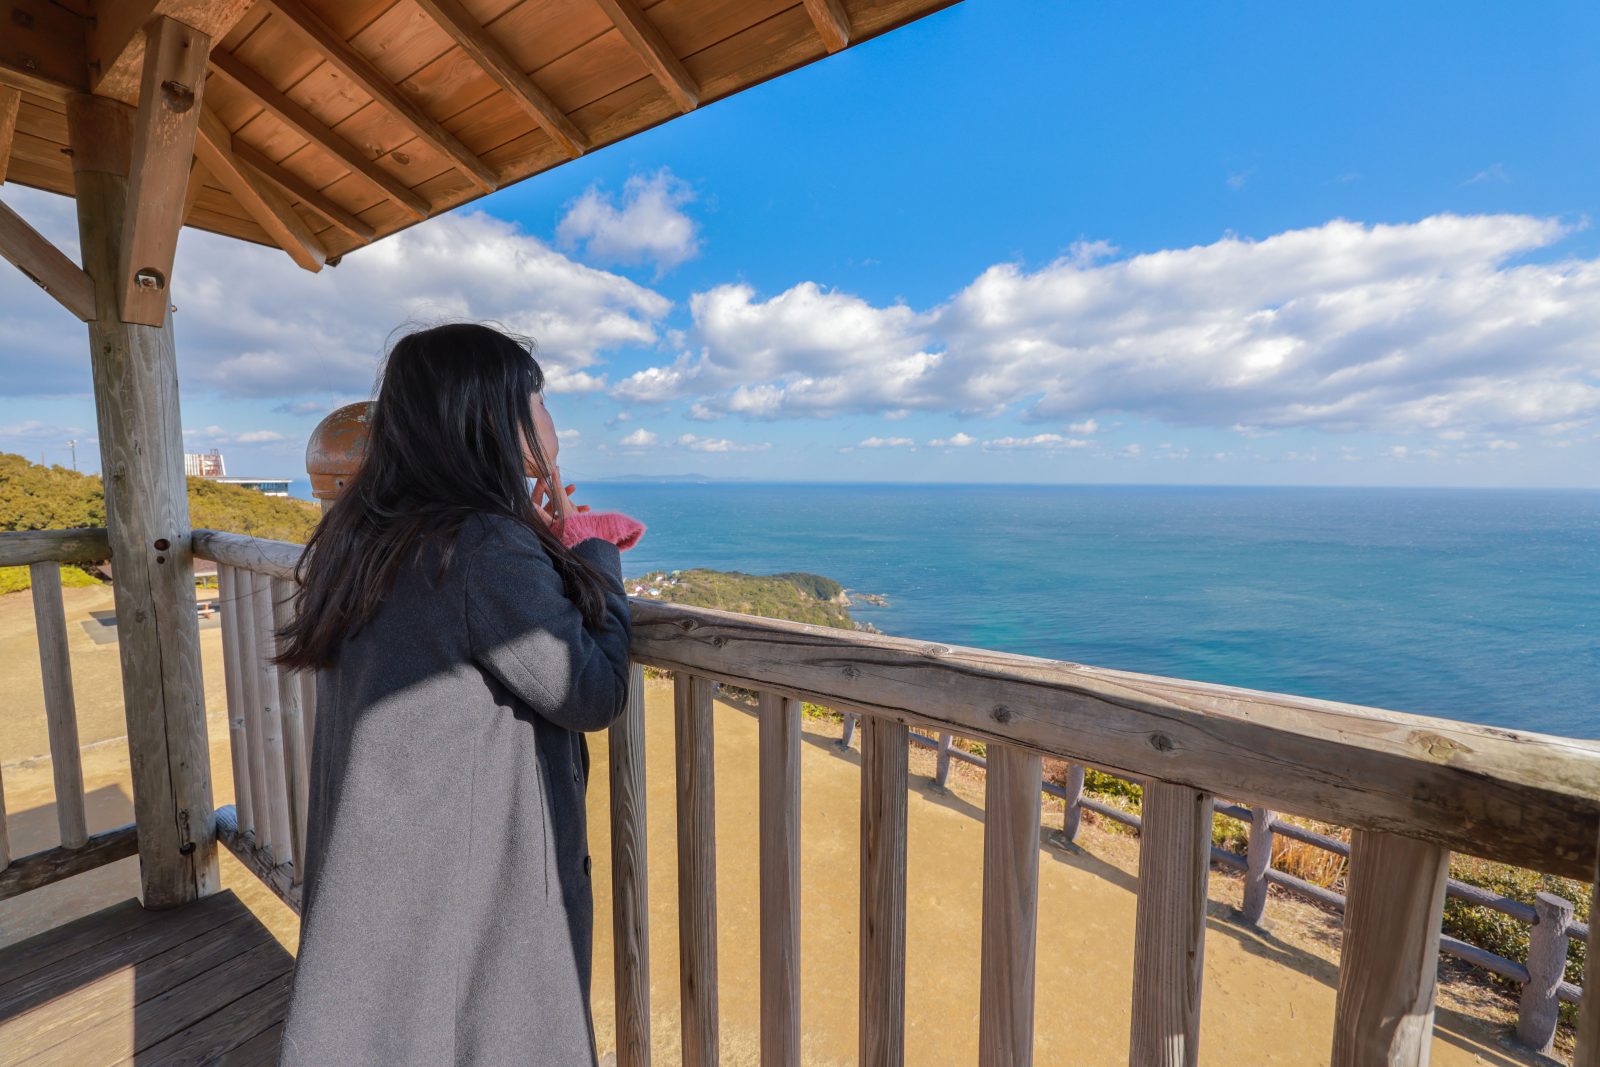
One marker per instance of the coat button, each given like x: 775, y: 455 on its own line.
x: 586, y: 866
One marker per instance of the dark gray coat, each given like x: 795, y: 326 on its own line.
x: 448, y: 915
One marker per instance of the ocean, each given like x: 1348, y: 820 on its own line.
x: 1480, y: 605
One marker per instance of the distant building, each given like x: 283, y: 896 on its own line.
x: 210, y: 465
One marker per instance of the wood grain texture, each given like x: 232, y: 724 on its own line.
x: 260, y: 198
x: 831, y: 21
x: 1547, y: 961
x: 1258, y: 860
x: 296, y: 760
x: 1170, y: 926
x: 779, y: 815
x: 941, y: 765
x: 658, y: 56
x: 233, y: 668
x: 319, y: 134
x: 10, y: 105
x: 117, y: 43
x: 195, y: 186
x: 360, y: 70
x: 1520, y: 798
x: 27, y: 873
x: 278, y: 877
x: 1010, y: 907
x: 884, y: 779
x: 488, y: 54
x: 1390, y: 957
x: 630, y: 903
x: 134, y: 369
x: 275, y: 558
x: 697, y: 869
x: 269, y: 694
x: 261, y: 829
x: 45, y: 265
x: 291, y: 184
x: 61, y: 715
x: 170, y: 93
x: 89, y: 545
x: 1588, y: 1050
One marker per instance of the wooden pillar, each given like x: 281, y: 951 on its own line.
x: 1588, y: 1053
x: 147, y: 513
x: 1257, y: 862
x: 1547, y: 963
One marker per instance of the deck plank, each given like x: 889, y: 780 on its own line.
x: 203, y: 983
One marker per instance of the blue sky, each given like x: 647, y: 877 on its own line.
x: 1035, y: 242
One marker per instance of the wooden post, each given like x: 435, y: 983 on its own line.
x: 779, y: 805
x: 1547, y: 963
x: 147, y: 514
x: 271, y: 721
x: 61, y: 718
x: 697, y: 869
x: 1170, y: 926
x: 1072, y: 816
x: 232, y: 668
x: 884, y: 776
x: 941, y: 769
x: 1010, y: 907
x: 250, y: 689
x: 850, y: 720
x: 630, y: 902
x: 1588, y: 1054
x: 1390, y: 957
x: 1258, y: 860
x: 296, y: 764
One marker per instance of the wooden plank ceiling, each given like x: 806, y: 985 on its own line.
x: 328, y: 124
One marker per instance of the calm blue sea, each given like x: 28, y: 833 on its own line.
x: 1476, y: 605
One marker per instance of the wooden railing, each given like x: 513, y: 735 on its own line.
x: 42, y: 553
x: 1410, y: 788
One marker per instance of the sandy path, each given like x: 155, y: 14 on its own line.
x: 1267, y: 1001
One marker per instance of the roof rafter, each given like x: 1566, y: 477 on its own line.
x: 303, y: 192
x: 359, y: 69
x: 117, y: 40
x: 10, y: 106
x: 658, y: 56
x: 315, y: 131
x: 49, y: 268
x: 487, y: 53
x: 258, y: 197
x: 163, y: 145
x: 832, y: 22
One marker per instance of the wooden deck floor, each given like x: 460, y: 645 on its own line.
x: 203, y: 984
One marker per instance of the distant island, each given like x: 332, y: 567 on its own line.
x: 793, y: 595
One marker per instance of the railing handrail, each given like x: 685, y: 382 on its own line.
x: 1528, y: 799
x: 89, y: 544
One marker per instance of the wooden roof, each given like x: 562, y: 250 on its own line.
x: 327, y: 124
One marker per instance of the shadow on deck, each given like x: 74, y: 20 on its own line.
x: 204, y: 983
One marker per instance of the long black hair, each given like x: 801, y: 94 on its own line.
x: 445, y: 443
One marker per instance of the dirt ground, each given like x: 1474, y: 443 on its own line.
x: 1268, y: 998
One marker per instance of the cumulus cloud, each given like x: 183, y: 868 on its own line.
x: 647, y: 225
x: 887, y: 442
x: 216, y: 435
x: 955, y: 440
x: 1048, y: 441
x: 1441, y: 325
x: 719, y: 444
x: 250, y: 323
x: 640, y: 438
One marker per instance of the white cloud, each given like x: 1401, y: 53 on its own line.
x: 1038, y: 440
x: 569, y: 435
x: 887, y: 442
x: 1438, y: 325
x: 649, y: 226
x: 251, y: 323
x: 1087, y: 426
x: 955, y: 440
x: 216, y: 435
x: 719, y: 444
x: 640, y: 438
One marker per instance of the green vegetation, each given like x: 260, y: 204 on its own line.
x: 794, y: 596
x: 34, y: 497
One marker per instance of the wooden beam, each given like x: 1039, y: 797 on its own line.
x: 359, y: 69
x: 264, y: 203
x: 163, y: 148
x: 302, y: 191
x: 487, y: 53
x: 191, y: 191
x: 45, y: 265
x: 10, y: 105
x: 117, y: 39
x: 831, y: 21
x: 645, y: 39
x: 42, y: 48
x: 312, y: 129
x: 28, y: 873
x: 86, y: 545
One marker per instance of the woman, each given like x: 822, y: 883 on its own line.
x: 466, y: 633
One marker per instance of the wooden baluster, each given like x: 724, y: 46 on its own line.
x: 697, y: 869
x: 941, y: 767
x: 780, y: 880
x: 232, y: 669
x: 1588, y: 1054
x: 1384, y: 1010
x: 61, y: 718
x: 630, y: 903
x: 271, y: 723
x: 1540, y: 1010
x: 308, y: 708
x: 884, y: 777
x: 1072, y: 813
x: 850, y: 720
x: 1010, y: 906
x: 250, y: 689
x: 292, y: 717
x: 1258, y: 860
x: 1170, y: 925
